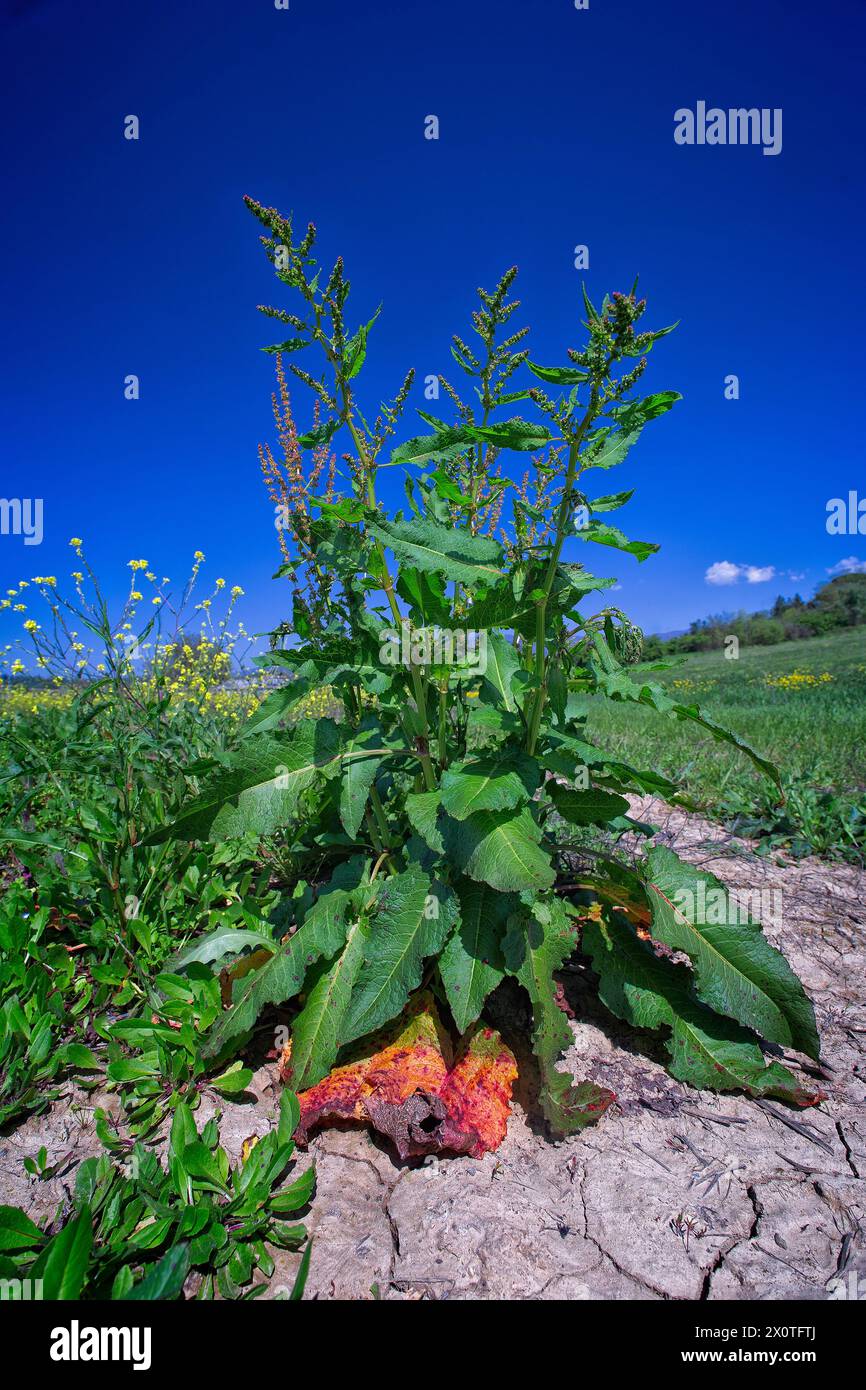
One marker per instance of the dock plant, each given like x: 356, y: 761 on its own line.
x: 435, y: 828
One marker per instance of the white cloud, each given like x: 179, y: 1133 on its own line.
x: 724, y: 572
x: 759, y: 574
x: 850, y: 566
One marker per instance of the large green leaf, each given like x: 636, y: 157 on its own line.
x: 612, y: 502
x: 558, y: 376
x: 564, y: 754
x: 497, y: 607
x: 322, y: 933
x: 501, y: 663
x: 422, y: 812
x: 430, y: 546
x: 500, y: 848
x: 706, y: 1050
x: 737, y: 971
x: 32, y: 840
x: 521, y: 435
x: 280, y: 702
x: 359, y: 768
x: 448, y: 441
x: 538, y: 941
x: 589, y: 807
x: 215, y: 945
x: 17, y: 1231
x: 413, y: 918
x: 317, y: 1032
x: 258, y: 789
x: 471, y: 964
x: 496, y: 782
x: 635, y: 414
x: 603, y: 534
x: 290, y: 345
x: 424, y: 591
x: 609, y: 448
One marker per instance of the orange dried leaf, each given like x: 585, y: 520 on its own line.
x: 477, y: 1093
x: 402, y: 1084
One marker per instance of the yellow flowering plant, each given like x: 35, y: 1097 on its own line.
x: 99, y: 713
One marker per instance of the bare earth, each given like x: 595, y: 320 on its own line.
x: 674, y: 1194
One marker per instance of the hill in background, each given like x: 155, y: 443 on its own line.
x: 841, y: 603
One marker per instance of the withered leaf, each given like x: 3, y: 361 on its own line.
x: 403, y: 1082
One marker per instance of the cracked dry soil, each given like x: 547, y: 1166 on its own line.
x: 675, y: 1194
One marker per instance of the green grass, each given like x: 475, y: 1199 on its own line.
x: 816, y: 734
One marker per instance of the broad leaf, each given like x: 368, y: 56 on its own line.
x: 413, y: 918
x: 422, y: 812
x: 430, y: 546
x: 322, y: 933
x: 706, y: 1050
x: 259, y: 788
x: 290, y: 345
x: 62, y: 1265
x: 521, y: 435
x: 215, y: 945
x: 165, y: 1280
x: 322, y: 434
x: 635, y: 414
x: 471, y: 964
x: 280, y: 702
x: 359, y: 769
x: 563, y: 754
x: 501, y: 663
x: 737, y: 971
x: 447, y: 442
x: 603, y: 534
x: 500, y: 848
x: 619, y: 685
x: 425, y: 594
x: 558, y: 376
x: 17, y: 1231
x: 609, y: 448
x: 612, y: 502
x: 317, y: 1032
x: 496, y: 782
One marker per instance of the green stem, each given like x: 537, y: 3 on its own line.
x: 381, y: 821
x: 541, y: 605
x: 443, y: 728
x: 374, y: 834
x: 388, y: 586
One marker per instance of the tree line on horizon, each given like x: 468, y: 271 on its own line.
x: 840, y: 603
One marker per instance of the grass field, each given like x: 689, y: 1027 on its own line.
x: 802, y: 704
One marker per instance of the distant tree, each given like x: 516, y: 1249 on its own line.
x: 839, y: 603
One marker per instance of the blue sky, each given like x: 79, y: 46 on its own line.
x: 556, y: 129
